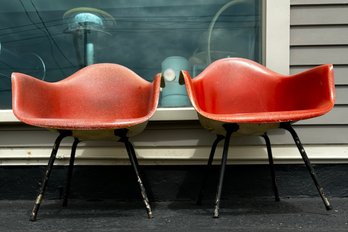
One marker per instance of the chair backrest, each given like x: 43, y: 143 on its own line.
x: 236, y: 85
x: 105, y: 89
x: 99, y: 91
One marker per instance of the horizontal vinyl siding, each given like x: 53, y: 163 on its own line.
x: 191, y: 135
x: 318, y: 2
x: 180, y: 155
x: 166, y: 143
x: 341, y: 73
x: 319, y: 35
x: 314, y: 55
x: 341, y: 95
x: 334, y: 117
x: 325, y: 14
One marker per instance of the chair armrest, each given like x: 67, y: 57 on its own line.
x: 31, y: 97
x: 313, y: 88
x: 155, y: 92
x: 185, y: 79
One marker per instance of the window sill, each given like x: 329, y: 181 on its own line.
x: 7, y: 116
x: 161, y: 114
x: 178, y: 114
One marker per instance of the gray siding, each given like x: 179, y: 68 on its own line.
x: 318, y: 35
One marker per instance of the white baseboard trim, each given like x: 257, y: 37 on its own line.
x: 283, y: 154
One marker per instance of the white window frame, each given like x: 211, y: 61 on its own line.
x: 276, y: 56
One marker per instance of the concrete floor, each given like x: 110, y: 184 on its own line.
x: 254, y: 214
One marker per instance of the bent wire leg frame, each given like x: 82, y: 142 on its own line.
x: 134, y: 161
x: 47, y: 174
x: 271, y: 166
x: 230, y: 128
x: 70, y: 171
x: 288, y: 127
x: 208, y: 168
x: 143, y: 178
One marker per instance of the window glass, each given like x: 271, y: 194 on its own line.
x: 52, y: 39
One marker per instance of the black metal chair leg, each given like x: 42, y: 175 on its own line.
x: 46, y: 176
x: 143, y: 176
x: 208, y: 167
x: 70, y: 171
x: 222, y: 172
x: 134, y: 162
x: 271, y: 166
x: 320, y: 189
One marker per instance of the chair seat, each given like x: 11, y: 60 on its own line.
x: 92, y: 129
x: 85, y: 124
x: 267, y: 117
x: 256, y: 123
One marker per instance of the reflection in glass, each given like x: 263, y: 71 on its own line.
x: 86, y: 26
x: 66, y: 35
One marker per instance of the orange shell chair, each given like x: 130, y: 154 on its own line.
x: 235, y: 96
x: 101, y: 101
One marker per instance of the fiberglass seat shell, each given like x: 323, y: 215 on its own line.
x: 101, y: 101
x: 235, y: 96
x: 98, y: 97
x: 236, y: 90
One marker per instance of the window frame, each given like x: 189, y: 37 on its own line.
x: 276, y: 56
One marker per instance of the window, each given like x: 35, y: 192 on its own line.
x: 52, y: 39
